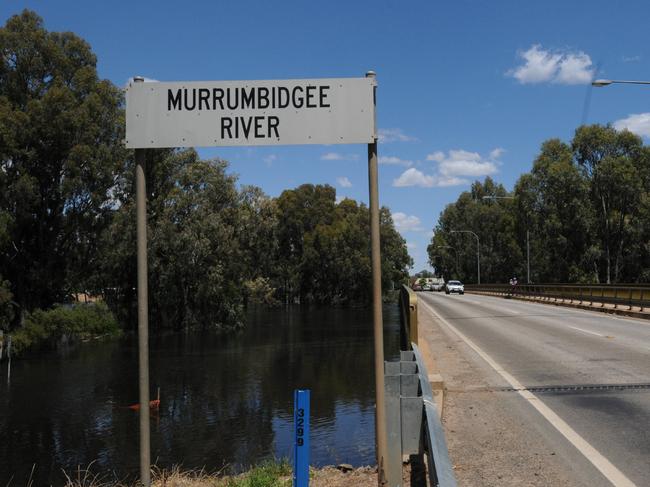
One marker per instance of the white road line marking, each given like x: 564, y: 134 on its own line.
x: 587, y: 331
x: 613, y: 474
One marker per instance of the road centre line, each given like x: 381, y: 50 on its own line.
x: 613, y: 474
x: 587, y: 331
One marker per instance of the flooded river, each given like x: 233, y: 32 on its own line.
x: 225, y: 400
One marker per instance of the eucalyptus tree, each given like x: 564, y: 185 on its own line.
x: 493, y: 221
x: 196, y: 256
x: 615, y: 163
x: 60, y: 146
x: 324, y: 247
x: 552, y: 204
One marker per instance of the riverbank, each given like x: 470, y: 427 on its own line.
x: 270, y: 474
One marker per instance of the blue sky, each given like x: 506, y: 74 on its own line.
x: 466, y: 88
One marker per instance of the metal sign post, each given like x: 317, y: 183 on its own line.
x: 246, y: 113
x: 143, y: 313
x: 378, y: 327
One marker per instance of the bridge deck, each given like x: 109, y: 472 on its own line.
x: 588, y: 369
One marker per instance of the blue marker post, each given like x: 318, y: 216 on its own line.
x: 301, y: 445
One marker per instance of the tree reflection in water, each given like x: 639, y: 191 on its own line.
x: 226, y: 400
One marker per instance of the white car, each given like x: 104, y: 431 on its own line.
x: 454, y: 287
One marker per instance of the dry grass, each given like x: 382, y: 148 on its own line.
x: 268, y: 474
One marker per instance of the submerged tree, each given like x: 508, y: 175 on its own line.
x: 195, y: 256
x: 324, y: 247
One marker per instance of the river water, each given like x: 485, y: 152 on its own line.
x: 225, y: 400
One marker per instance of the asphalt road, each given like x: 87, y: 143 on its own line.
x: 584, y: 375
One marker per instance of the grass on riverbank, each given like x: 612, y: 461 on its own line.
x: 267, y: 474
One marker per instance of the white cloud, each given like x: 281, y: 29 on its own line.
x: 638, y: 123
x: 464, y: 163
x: 335, y: 156
x: 436, y: 156
x: 394, y: 135
x: 450, y: 181
x: 451, y: 168
x: 344, y: 182
x: 269, y: 159
x: 563, y: 67
x: 411, y: 245
x: 631, y: 59
x: 414, y: 177
x: 496, y: 153
x: 331, y: 156
x: 575, y: 69
x: 394, y: 161
x: 406, y: 223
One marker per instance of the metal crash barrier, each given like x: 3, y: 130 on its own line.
x: 413, y: 426
x: 592, y: 295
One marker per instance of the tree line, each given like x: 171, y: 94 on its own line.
x: 67, y: 210
x: 581, y: 215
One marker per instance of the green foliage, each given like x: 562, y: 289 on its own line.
x: 82, y: 321
x: 616, y: 165
x: 268, y: 474
x: 260, y: 291
x: 67, y: 211
x: 6, y: 305
x: 195, y: 259
x: 60, y: 133
x: 493, y: 221
x: 584, y: 205
x: 324, y: 247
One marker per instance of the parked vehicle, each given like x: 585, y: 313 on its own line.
x: 454, y: 287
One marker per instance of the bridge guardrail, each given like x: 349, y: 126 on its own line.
x: 618, y: 295
x: 413, y: 423
x: 408, y: 305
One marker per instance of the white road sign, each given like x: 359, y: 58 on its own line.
x: 231, y: 113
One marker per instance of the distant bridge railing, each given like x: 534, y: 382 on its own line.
x: 413, y: 424
x: 630, y: 295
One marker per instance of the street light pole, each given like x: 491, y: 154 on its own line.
x: 599, y: 83
x: 478, y: 253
